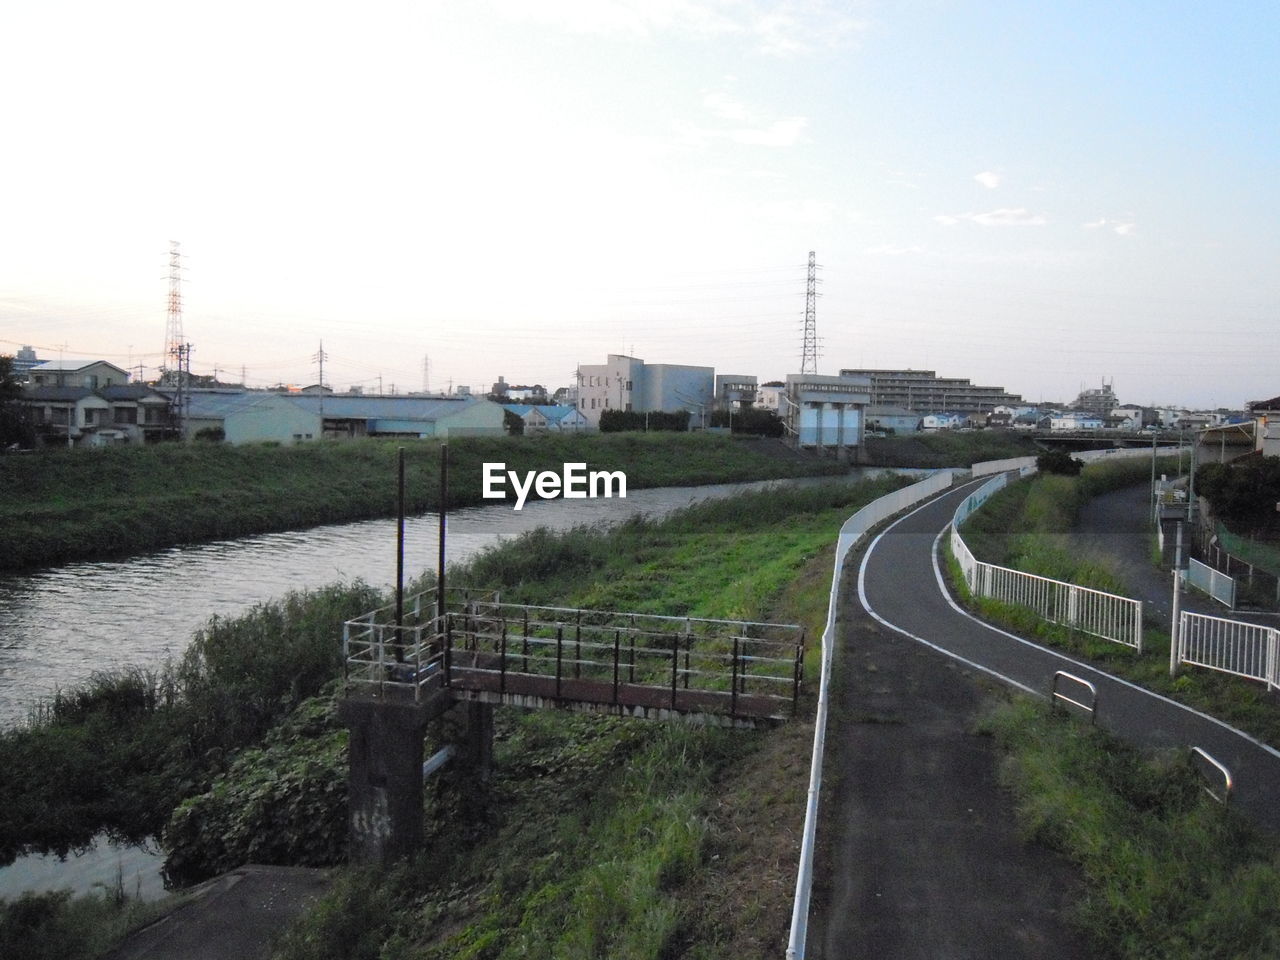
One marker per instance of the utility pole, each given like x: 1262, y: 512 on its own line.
x: 1177, y: 597
x: 319, y: 358
x: 809, y: 352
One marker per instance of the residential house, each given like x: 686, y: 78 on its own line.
x: 78, y: 415
x: 548, y: 418
x: 898, y: 420
x: 89, y: 374
x: 1075, y: 420
x: 1266, y: 417
x: 944, y: 421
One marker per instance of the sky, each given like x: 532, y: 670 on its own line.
x: 1037, y: 196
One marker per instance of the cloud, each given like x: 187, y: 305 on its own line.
x: 1009, y: 217
x: 780, y: 133
x: 725, y: 107
x: 1003, y: 217
x: 892, y: 250
x: 777, y: 28
x: 1119, y: 227
x: 988, y: 179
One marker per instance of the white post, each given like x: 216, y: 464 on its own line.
x: 1177, y: 596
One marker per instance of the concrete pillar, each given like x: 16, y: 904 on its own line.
x: 384, y: 783
x: 478, y: 740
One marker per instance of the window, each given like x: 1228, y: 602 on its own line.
x: 126, y: 414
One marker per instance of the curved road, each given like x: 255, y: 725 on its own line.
x: 900, y: 584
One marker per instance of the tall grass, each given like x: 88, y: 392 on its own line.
x: 1168, y: 872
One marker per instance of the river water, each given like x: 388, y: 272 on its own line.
x: 58, y: 626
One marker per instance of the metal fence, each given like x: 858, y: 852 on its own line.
x: 1213, y: 582
x: 1229, y: 646
x: 1095, y: 612
x: 746, y: 669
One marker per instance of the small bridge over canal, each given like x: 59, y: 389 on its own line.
x: 406, y: 665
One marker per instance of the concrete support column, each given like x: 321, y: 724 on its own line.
x: 385, y: 779
x: 478, y: 740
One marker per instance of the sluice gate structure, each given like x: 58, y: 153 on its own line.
x: 409, y: 663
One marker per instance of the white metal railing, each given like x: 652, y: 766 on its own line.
x: 853, y: 530
x: 1213, y: 582
x: 1230, y: 646
x: 1095, y: 612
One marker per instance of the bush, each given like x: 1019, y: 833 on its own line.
x: 1059, y: 461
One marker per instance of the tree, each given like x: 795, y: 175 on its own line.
x: 1243, y: 494
x: 513, y: 422
x: 1059, y: 461
x: 15, y: 421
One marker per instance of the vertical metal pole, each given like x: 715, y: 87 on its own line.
x: 617, y: 644
x: 795, y: 686
x: 448, y: 650
x: 559, y: 647
x: 1177, y: 597
x: 524, y: 646
x: 631, y: 666
x: 399, y: 553
x: 675, y: 668
x: 577, y: 647
x: 444, y: 521
x: 502, y: 660
x: 733, y: 698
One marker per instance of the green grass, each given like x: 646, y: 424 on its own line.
x: 62, y: 505
x: 1168, y: 872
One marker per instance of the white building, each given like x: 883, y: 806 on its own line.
x: 628, y: 383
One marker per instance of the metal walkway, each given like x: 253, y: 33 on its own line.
x: 719, y: 672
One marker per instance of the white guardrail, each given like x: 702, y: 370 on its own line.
x: 853, y: 530
x: 1213, y: 582
x: 1230, y: 646
x: 1105, y: 615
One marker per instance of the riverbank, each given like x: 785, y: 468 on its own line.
x: 63, y: 505
x: 619, y: 837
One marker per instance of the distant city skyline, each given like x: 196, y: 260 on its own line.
x: 1035, y: 197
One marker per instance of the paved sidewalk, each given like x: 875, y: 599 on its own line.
x: 236, y: 916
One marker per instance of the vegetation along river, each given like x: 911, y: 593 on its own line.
x: 59, y: 625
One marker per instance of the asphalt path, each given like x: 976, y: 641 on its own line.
x: 901, y: 585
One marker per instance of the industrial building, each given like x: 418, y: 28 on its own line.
x: 628, y: 383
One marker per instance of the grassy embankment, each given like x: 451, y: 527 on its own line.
x: 597, y: 836
x: 948, y: 448
x: 61, y: 505
x: 1027, y: 526
x: 1167, y: 872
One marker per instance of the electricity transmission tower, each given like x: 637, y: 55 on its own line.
x: 809, y: 353
x: 171, y: 362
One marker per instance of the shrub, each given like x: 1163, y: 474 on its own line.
x: 1059, y: 461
